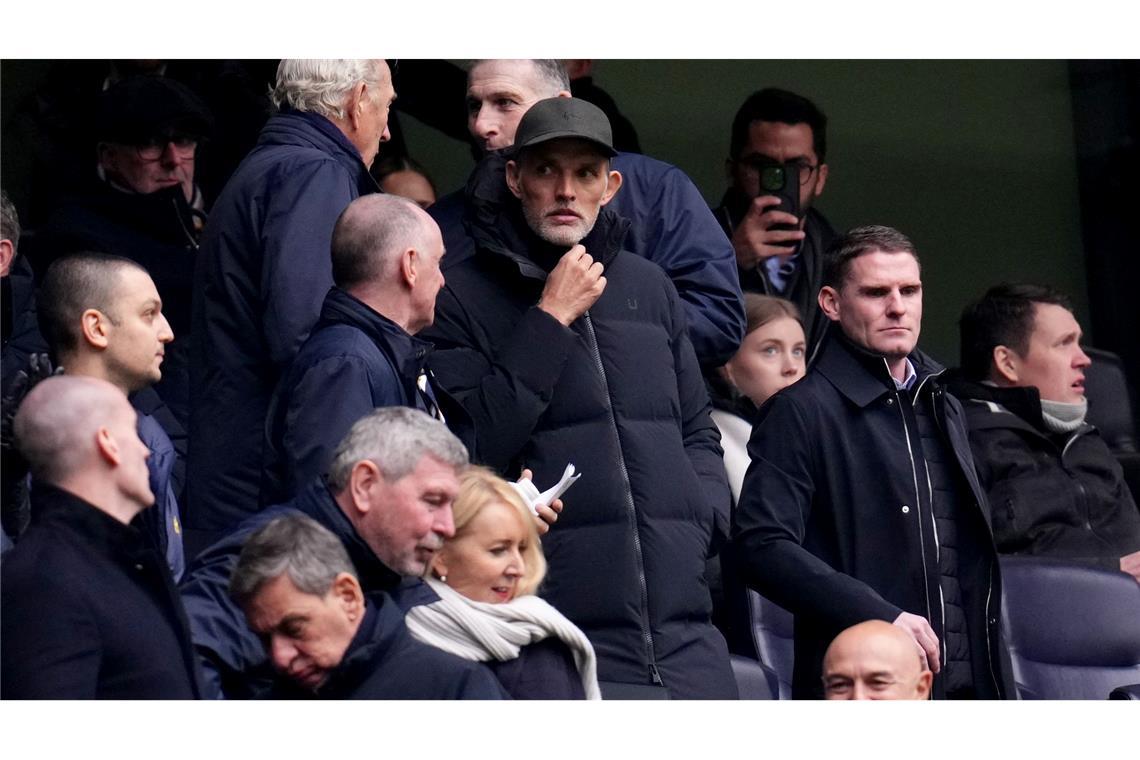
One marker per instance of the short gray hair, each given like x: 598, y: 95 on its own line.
x: 369, y: 236
x: 321, y: 85
x: 550, y: 75
x: 294, y: 544
x: 395, y: 438
x: 9, y: 220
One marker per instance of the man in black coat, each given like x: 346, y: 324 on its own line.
x: 861, y: 501
x: 296, y: 585
x: 1055, y: 489
x: 89, y: 609
x: 778, y: 253
x: 565, y: 348
x: 387, y: 497
x: 363, y: 352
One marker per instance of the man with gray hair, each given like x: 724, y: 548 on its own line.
x: 299, y: 592
x: 263, y: 268
x: 387, y: 497
x: 88, y: 607
x: 363, y: 352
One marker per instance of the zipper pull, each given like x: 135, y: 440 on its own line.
x: 655, y: 675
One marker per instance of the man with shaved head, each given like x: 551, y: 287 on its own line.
x: 363, y: 352
x: 89, y: 608
x: 875, y: 660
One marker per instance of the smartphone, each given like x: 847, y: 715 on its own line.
x: 782, y: 181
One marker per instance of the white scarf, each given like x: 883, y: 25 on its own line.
x: 483, y: 631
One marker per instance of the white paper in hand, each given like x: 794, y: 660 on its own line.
x: 534, y: 499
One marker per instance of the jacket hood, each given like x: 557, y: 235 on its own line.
x: 494, y: 220
x: 863, y: 376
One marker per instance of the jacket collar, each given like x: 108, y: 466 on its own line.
x: 303, y: 128
x: 373, y: 642
x: 317, y: 502
x: 494, y: 220
x: 1017, y: 407
x: 405, y: 350
x: 93, y: 525
x: 862, y: 376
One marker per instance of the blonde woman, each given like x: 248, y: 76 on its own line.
x: 479, y: 599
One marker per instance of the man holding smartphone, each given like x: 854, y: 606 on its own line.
x: 776, y: 170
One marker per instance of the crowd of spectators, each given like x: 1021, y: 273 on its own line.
x: 273, y: 429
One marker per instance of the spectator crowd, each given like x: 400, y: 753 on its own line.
x: 281, y: 420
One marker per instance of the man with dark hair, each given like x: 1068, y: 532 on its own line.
x: 264, y: 268
x: 387, y: 496
x: 1055, y: 489
x: 102, y: 317
x: 861, y: 502
x: 670, y: 224
x: 298, y: 589
x: 566, y: 348
x: 141, y: 202
x: 363, y: 352
x: 778, y: 253
x: 88, y: 609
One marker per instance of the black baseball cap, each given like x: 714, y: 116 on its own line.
x: 142, y: 108
x: 554, y: 118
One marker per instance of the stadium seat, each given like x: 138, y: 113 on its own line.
x: 1073, y: 630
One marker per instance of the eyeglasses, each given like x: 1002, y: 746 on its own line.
x: 772, y: 171
x: 153, y: 149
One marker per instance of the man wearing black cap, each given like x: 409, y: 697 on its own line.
x: 565, y: 348
x: 141, y: 202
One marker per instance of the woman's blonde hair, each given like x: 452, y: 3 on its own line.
x: 479, y: 487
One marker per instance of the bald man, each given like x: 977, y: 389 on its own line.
x: 87, y: 606
x: 875, y: 660
x: 363, y: 352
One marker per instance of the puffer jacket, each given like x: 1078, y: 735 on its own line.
x: 262, y: 273
x: 1052, y: 495
x: 619, y: 394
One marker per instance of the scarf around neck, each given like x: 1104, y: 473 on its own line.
x: 482, y: 631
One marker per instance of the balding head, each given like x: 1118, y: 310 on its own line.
x: 80, y: 434
x: 386, y: 252
x: 875, y: 660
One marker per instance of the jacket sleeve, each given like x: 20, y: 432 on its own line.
x: 328, y: 398
x: 674, y: 228
x: 297, y: 235
x: 700, y: 434
x: 770, y: 522
x: 505, y: 388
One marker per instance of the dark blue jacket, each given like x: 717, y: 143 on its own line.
x: 384, y: 661
x: 263, y: 271
x: 163, y: 520
x: 830, y: 524
x: 671, y: 225
x: 355, y: 360
x: 89, y: 610
x: 619, y: 394
x: 233, y: 658
x: 21, y: 336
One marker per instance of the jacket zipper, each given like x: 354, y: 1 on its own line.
x: 1080, y: 486
x: 918, y: 507
x: 942, y: 649
x: 654, y: 674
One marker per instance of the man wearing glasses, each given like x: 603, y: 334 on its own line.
x: 140, y: 201
x: 778, y: 138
